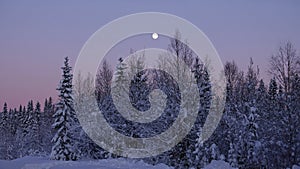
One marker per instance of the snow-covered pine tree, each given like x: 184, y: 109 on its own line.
x: 14, y: 128
x: 18, y: 137
x: 138, y: 81
x: 2, y: 146
x: 202, y: 79
x: 289, y: 121
x: 120, y: 74
x: 229, y: 130
x: 7, y: 131
x: 11, y: 134
x: 295, y: 110
x: 64, y: 146
x: 22, y: 130
x: 24, y: 133
x: 261, y: 98
x: 119, y: 85
x: 29, y: 130
x: 262, y: 120
x: 272, y: 92
x: 271, y: 108
x: 47, y: 121
x: 252, y: 139
x: 272, y: 117
x: 35, y: 132
x: 103, y: 82
x: 4, y: 133
x: 84, y: 94
x: 274, y: 147
x: 251, y: 108
x: 204, y: 86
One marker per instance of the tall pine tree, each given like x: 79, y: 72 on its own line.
x: 64, y: 146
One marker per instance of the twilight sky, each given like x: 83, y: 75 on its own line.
x: 35, y: 36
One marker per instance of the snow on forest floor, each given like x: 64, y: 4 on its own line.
x: 45, y: 163
x: 218, y: 165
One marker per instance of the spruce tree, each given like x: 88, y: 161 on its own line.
x: 28, y: 127
x: 295, y: 110
x: 19, y: 131
x: 120, y: 75
x: 47, y: 121
x: 35, y: 143
x: 252, y: 115
x: 64, y: 146
x: 3, y: 128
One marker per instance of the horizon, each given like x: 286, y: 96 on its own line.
x: 37, y: 36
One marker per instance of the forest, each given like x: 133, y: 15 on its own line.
x: 259, y: 128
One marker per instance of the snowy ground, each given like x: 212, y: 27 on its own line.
x: 218, y: 165
x: 44, y: 163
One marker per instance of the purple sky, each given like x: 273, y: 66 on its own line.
x: 36, y: 35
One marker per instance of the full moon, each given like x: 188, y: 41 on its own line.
x: 154, y: 36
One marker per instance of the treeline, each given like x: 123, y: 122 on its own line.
x: 27, y: 130
x: 260, y: 127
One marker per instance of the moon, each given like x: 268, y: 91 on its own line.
x: 154, y: 36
